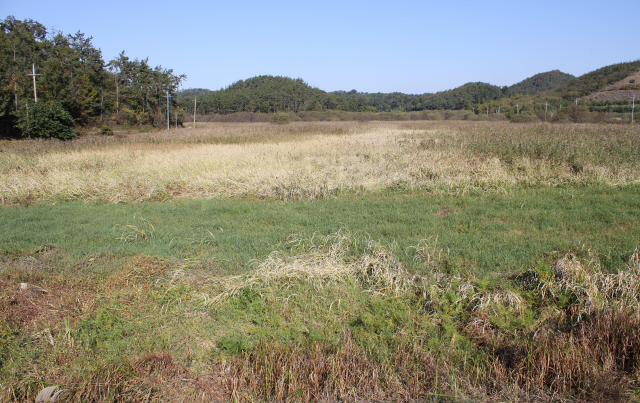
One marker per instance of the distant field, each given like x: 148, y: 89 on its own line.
x: 337, y: 261
x: 309, y: 161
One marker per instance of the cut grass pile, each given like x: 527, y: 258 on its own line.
x: 306, y: 161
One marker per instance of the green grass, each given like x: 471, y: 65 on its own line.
x: 495, y: 231
x: 133, y: 288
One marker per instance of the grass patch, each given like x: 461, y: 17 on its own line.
x: 497, y: 232
x: 329, y: 317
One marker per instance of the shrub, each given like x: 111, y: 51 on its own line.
x: 47, y: 120
x: 106, y: 130
x: 573, y: 113
x: 280, y: 118
x: 524, y: 117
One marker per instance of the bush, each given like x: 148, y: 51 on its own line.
x: 47, y: 120
x: 573, y: 113
x: 525, y: 117
x: 280, y: 118
x: 106, y: 130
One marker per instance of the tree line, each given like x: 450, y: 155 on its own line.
x: 269, y: 94
x: 75, y: 86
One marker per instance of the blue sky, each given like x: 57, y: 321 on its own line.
x: 371, y: 46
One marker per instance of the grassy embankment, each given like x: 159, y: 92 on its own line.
x: 427, y: 260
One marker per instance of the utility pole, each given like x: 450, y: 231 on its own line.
x: 178, y: 102
x: 168, y: 96
x: 33, y: 69
x: 195, y: 105
x: 117, y: 95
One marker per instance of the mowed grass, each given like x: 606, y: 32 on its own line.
x: 402, y: 261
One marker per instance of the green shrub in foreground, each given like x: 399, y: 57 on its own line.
x: 47, y: 120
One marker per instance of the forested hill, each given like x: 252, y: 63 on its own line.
x: 190, y: 92
x: 539, y: 83
x: 463, y: 96
x: 269, y: 94
x: 457, y: 98
x: 596, y: 80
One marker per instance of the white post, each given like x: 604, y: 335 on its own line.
x: 517, y: 109
x: 195, y: 105
x: 33, y: 69
x: 633, y: 106
x: 545, y: 111
x: 168, y: 96
x: 576, y: 101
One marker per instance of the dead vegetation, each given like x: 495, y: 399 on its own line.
x: 312, y: 161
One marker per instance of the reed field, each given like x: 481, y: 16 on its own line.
x: 414, y: 261
x: 309, y: 161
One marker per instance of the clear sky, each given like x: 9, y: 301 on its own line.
x: 371, y: 46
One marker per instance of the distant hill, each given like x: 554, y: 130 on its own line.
x: 599, y: 80
x: 457, y: 98
x: 269, y: 94
x: 539, y: 83
x: 465, y: 95
x: 193, y: 92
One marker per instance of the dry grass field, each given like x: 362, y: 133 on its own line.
x: 309, y: 161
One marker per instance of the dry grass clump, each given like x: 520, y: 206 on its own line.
x: 310, y: 161
x: 340, y: 373
x: 586, y: 340
x: 323, y: 261
x: 595, y: 290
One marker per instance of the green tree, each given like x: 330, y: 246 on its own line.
x: 46, y: 120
